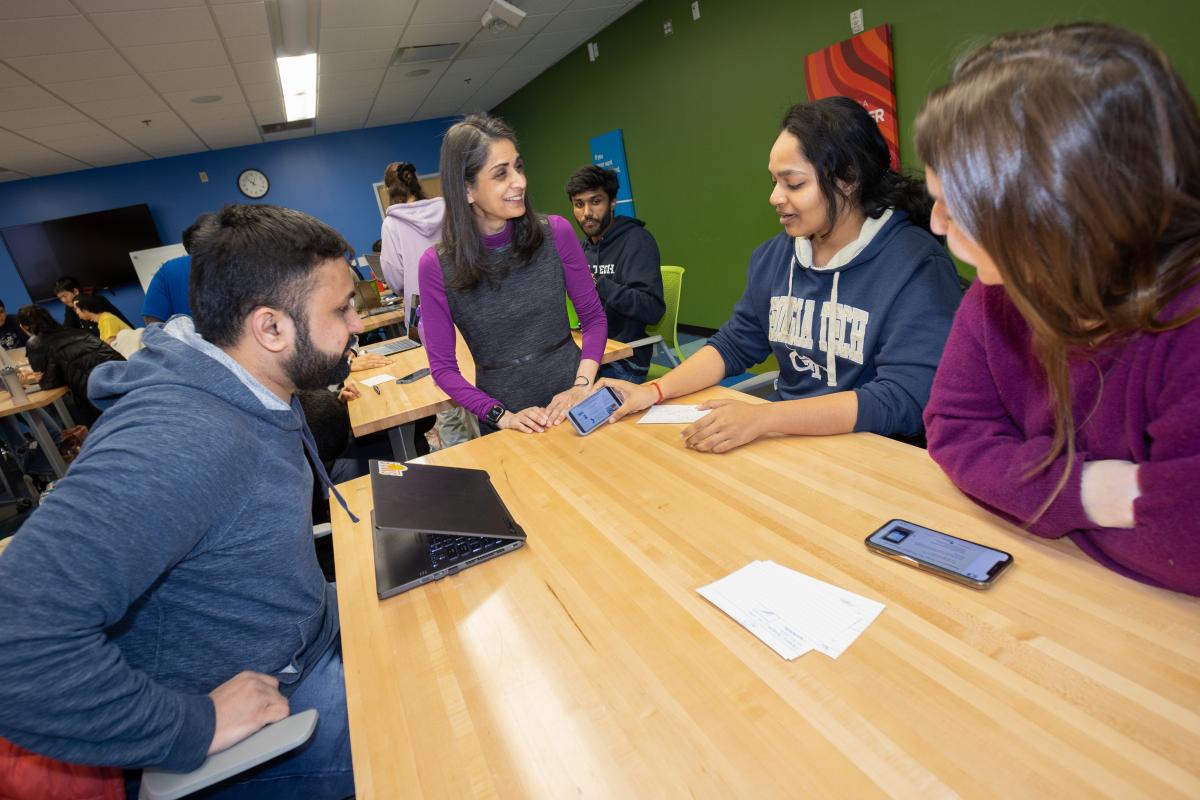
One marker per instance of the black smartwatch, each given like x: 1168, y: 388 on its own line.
x: 495, y: 413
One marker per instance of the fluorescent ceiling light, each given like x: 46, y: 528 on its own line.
x: 298, y: 76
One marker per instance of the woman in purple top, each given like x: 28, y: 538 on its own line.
x: 499, y: 275
x: 1065, y: 165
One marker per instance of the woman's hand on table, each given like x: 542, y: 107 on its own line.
x: 529, y: 420
x: 564, y: 401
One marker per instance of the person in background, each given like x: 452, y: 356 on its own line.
x: 501, y: 274
x: 167, y: 294
x: 61, y: 356
x: 171, y: 600
x: 89, y: 307
x: 11, y: 335
x: 854, y: 297
x: 625, y: 264
x: 1067, y: 397
x: 66, y: 289
x: 412, y: 224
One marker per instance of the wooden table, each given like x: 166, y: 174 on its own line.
x: 398, y: 405
x: 387, y: 318
x: 34, y: 401
x: 586, y: 665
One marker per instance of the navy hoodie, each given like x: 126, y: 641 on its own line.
x: 176, y: 552
x: 875, y: 324
x: 627, y: 269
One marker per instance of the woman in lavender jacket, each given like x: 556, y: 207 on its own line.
x: 499, y: 275
x: 1065, y: 165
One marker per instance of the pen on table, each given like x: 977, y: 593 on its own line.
x: 376, y: 388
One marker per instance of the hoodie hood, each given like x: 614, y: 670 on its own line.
x: 619, y: 227
x: 423, y: 216
x: 860, y: 251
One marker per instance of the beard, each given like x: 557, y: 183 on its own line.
x: 309, y: 368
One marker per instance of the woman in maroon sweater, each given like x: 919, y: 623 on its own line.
x: 1065, y: 165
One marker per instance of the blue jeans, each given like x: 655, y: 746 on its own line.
x: 622, y: 371
x: 320, y: 769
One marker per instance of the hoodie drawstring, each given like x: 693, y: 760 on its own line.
x: 310, y: 445
x: 831, y: 352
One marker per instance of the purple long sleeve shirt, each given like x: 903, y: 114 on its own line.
x: 438, y: 326
x: 989, y: 420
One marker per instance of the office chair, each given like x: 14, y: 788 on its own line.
x: 665, y: 335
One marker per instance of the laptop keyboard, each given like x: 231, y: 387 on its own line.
x: 391, y: 348
x: 447, y: 550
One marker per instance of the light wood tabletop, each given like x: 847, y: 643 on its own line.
x: 382, y: 320
x: 586, y: 665
x: 399, y: 404
x: 33, y: 399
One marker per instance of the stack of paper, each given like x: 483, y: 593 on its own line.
x: 791, y: 612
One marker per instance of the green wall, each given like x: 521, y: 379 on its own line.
x: 699, y: 108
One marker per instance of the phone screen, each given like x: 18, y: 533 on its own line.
x: 968, y: 559
x: 591, y: 412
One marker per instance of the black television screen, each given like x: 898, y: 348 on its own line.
x: 92, y: 248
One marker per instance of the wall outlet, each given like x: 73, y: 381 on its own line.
x: 593, y: 51
x: 203, y: 177
x: 856, y: 21
x: 668, y: 28
x: 695, y: 10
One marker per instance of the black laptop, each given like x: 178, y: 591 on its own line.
x: 430, y: 522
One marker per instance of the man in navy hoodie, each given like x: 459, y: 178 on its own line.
x: 625, y: 264
x: 165, y: 602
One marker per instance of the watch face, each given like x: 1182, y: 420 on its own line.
x: 253, y: 183
x: 495, y: 413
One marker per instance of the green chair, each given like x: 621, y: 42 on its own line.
x: 665, y: 335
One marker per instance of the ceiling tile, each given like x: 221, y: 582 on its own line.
x: 100, y: 151
x: 183, y: 101
x: 102, y: 89
x: 376, y: 37
x: 417, y: 35
x: 186, y: 55
x: 36, y: 37
x: 262, y: 91
x: 337, y: 105
x: 298, y: 133
x: 477, y: 69
x: 39, y: 117
x: 531, y: 25
x: 351, y: 62
x: 340, y: 123
x: 184, y: 79
x: 76, y: 67
x: 350, y: 81
x: 18, y: 9
x: 533, y: 7
x: 15, y: 98
x: 10, y: 175
x: 268, y: 111
x: 162, y: 26
x: 243, y: 19
x: 9, y: 77
x: 222, y: 139
x: 63, y: 133
x: 125, y: 107
x: 533, y: 55
x: 29, y: 157
x: 396, y: 115
x: 592, y: 19
x: 584, y: 5
x: 494, y: 47
x: 163, y: 124
x: 430, y: 12
x: 400, y: 74
x: 104, y: 6
x: 258, y: 72
x: 359, y: 13
x: 250, y: 48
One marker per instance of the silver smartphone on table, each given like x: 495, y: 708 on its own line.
x: 959, y: 560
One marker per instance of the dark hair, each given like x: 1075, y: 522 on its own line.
x: 464, y: 153
x: 66, y: 284
x: 36, y: 320
x: 1071, y: 154
x: 378, y: 246
x: 400, y: 178
x: 189, y: 233
x: 91, y: 304
x: 250, y: 256
x: 843, y: 143
x: 592, y: 177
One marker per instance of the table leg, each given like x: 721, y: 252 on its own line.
x: 46, y: 442
x: 63, y: 415
x: 403, y: 439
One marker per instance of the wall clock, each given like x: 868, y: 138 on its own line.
x: 253, y: 183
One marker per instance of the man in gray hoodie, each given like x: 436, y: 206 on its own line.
x: 165, y: 602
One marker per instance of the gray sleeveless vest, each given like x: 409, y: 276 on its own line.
x: 517, y: 329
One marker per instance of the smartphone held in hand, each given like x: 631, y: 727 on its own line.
x: 594, y: 410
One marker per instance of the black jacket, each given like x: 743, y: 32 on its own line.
x: 67, y: 357
x: 626, y: 265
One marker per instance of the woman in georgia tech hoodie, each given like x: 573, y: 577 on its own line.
x: 855, y: 298
x: 413, y: 224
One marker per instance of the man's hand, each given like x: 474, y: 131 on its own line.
x: 364, y: 361
x: 636, y: 398
x: 530, y: 420
x: 730, y: 424
x: 564, y: 401
x: 349, y: 392
x: 245, y: 703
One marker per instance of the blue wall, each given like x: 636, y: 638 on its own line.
x: 327, y: 176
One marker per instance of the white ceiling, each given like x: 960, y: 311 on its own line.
x: 90, y: 83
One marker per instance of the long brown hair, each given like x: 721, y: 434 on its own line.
x: 464, y: 153
x: 1071, y: 154
x: 402, y: 184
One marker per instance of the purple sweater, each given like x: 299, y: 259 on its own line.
x: 438, y: 327
x: 989, y: 419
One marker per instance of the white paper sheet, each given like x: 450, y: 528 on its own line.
x: 378, y: 379
x: 672, y: 415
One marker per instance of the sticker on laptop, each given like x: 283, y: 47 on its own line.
x: 391, y: 468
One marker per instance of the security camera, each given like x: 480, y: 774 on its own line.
x: 501, y: 15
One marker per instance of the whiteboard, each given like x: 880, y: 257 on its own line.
x: 147, y: 262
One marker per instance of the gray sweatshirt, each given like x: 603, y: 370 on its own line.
x: 176, y: 552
